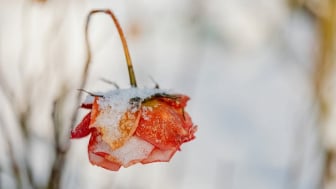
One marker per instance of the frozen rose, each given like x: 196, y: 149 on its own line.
x: 129, y: 126
x: 134, y: 125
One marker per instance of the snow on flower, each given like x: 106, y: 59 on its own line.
x: 129, y: 126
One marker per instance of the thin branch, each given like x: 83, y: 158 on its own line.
x: 13, y: 164
x: 60, y: 151
x: 323, y: 75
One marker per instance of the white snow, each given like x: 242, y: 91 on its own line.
x: 134, y: 149
x: 120, y: 98
x: 246, y: 65
x: 113, y: 107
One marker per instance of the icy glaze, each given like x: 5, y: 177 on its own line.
x: 115, y: 116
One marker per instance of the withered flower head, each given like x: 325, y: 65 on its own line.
x: 134, y: 125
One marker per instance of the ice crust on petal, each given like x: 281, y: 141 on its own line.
x: 158, y: 155
x: 118, y: 118
x: 130, y: 126
x: 88, y: 100
x: 120, y: 98
x: 133, y: 151
x: 102, y: 162
x: 163, y: 126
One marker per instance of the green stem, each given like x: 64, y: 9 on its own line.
x: 122, y: 38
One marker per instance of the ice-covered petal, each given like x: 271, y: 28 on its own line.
x: 163, y: 125
x: 115, y: 126
x: 133, y: 151
x: 101, y: 158
x: 158, y: 155
x: 101, y: 161
x: 176, y: 100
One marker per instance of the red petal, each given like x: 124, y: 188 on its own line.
x: 95, y: 110
x: 101, y: 154
x: 99, y: 158
x: 87, y: 106
x: 190, y: 127
x: 119, y: 131
x: 163, y: 126
x: 101, y: 161
x: 180, y: 101
x: 82, y: 129
x: 158, y: 155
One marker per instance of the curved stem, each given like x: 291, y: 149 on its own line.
x: 88, y: 58
x: 122, y: 38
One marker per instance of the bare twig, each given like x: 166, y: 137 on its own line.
x: 324, y: 68
x: 13, y: 163
x: 325, y: 14
x: 60, y: 149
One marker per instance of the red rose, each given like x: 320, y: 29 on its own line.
x: 135, y: 126
x: 129, y: 126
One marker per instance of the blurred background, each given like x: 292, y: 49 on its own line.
x: 260, y: 75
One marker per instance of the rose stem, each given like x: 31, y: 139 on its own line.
x: 88, y: 58
x: 123, y: 41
